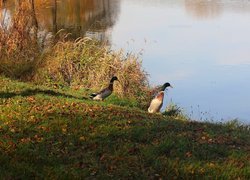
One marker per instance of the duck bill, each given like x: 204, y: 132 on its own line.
x: 171, y: 86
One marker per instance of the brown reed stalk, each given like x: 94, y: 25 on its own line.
x: 18, y: 42
x: 90, y: 64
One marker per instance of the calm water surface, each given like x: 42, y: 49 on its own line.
x: 201, y: 47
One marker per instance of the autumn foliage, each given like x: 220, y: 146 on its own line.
x: 89, y: 64
x: 81, y: 63
x: 19, y: 48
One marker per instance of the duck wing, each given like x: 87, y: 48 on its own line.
x: 105, y: 92
x: 101, y: 94
x: 155, y: 105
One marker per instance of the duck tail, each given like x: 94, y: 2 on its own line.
x: 91, y: 96
x: 150, y: 110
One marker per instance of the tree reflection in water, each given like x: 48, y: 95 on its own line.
x: 78, y: 17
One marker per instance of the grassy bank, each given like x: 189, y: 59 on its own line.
x: 58, y: 133
x: 60, y: 61
x: 50, y: 129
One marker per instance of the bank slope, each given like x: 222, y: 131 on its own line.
x: 61, y: 134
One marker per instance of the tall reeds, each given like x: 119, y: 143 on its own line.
x: 82, y: 63
x: 18, y: 42
x: 91, y: 64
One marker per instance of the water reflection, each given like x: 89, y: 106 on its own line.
x: 214, y: 8
x: 78, y: 17
x: 200, y: 46
x: 96, y: 17
x: 205, y: 56
x: 199, y: 8
x: 204, y: 9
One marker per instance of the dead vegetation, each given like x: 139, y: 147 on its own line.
x: 19, y: 48
x: 81, y: 63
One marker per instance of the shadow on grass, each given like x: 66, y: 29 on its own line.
x: 31, y: 92
x: 88, y: 144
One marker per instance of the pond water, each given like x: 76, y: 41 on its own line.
x: 202, y: 47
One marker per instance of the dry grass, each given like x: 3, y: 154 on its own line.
x: 89, y: 64
x: 18, y: 42
x: 83, y: 63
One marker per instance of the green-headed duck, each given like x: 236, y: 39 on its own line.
x: 104, y: 93
x: 157, y: 102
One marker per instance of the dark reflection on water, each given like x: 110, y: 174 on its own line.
x: 96, y: 17
x: 215, y: 8
x: 78, y: 17
x: 201, y: 46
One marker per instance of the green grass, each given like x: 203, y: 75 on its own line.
x: 60, y: 133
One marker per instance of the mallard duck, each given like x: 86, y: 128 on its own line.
x: 157, y: 89
x: 104, y: 93
x: 164, y: 86
x: 157, y: 102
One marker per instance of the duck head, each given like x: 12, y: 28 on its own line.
x: 165, y: 86
x: 114, y: 78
